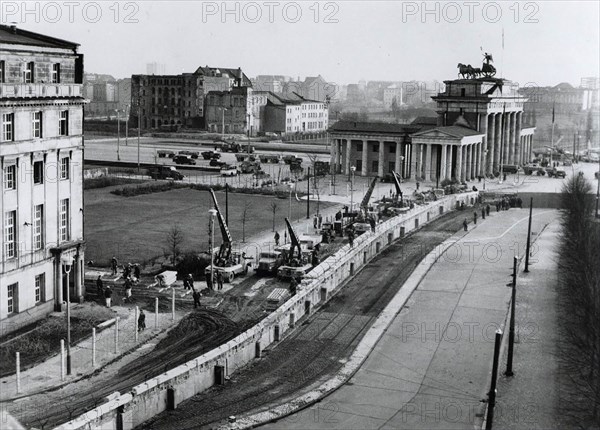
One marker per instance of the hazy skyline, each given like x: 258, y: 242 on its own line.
x: 394, y: 41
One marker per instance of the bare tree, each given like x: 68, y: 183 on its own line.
x: 174, y: 240
x: 274, y: 208
x: 244, y: 217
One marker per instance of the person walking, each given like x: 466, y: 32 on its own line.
x: 482, y: 213
x: 220, y: 280
x: 320, y: 221
x: 196, y: 296
x: 474, y: 217
x: 190, y: 282
x: 128, y: 288
x: 99, y: 286
x: 114, y: 264
x: 137, y: 272
x: 276, y: 238
x: 209, y: 282
x: 107, y: 296
x: 293, y: 286
x: 142, y: 321
x: 351, y: 237
x: 315, y: 221
x: 487, y: 210
x: 465, y: 224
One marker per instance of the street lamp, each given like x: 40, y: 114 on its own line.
x: 290, y: 211
x: 67, y: 264
x: 118, y: 135
x: 213, y: 214
x: 352, y: 170
x: 126, y: 124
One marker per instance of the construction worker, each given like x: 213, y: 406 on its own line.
x: 474, y: 217
x: 219, y: 280
x: 196, y: 296
x: 276, y: 238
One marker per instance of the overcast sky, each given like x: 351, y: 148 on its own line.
x: 545, y: 42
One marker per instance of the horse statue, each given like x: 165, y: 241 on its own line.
x: 487, y: 69
x: 465, y: 70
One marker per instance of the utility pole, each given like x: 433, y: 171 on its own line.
x: 492, y: 394
x: 226, y: 203
x: 528, y: 236
x: 138, y: 136
x: 308, y: 195
x: 118, y: 136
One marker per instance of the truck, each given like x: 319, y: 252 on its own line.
x: 250, y: 167
x: 269, y: 261
x: 297, y: 262
x: 227, y: 262
x: 165, y: 172
x: 229, y: 170
x: 184, y: 159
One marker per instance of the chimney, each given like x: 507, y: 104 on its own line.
x: 240, y: 78
x: 13, y: 27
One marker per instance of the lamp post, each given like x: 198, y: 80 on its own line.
x: 290, y: 210
x: 352, y: 170
x: 126, y: 125
x: 118, y: 135
x: 213, y: 214
x: 67, y: 264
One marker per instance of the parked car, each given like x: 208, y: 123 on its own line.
x: 210, y: 155
x: 229, y: 170
x: 553, y: 172
x: 193, y: 154
x: 163, y: 153
x: 510, y: 168
x: 216, y: 163
x: 184, y: 159
x: 165, y: 172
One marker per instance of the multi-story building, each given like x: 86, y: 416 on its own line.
x: 171, y: 101
x: 228, y: 110
x: 391, y: 95
x: 41, y: 163
x: 294, y: 114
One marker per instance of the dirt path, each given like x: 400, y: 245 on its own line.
x: 319, y: 347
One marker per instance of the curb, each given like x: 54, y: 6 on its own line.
x: 360, y: 354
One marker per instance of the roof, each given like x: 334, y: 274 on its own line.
x: 234, y: 73
x: 13, y: 35
x: 374, y: 127
x: 452, y: 130
x: 425, y: 120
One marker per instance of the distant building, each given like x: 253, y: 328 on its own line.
x: 172, y: 101
x: 392, y: 94
x: 228, y: 109
x: 156, y: 69
x: 294, y: 115
x: 41, y: 163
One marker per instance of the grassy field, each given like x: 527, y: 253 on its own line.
x: 134, y: 229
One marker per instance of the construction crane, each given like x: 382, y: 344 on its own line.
x: 397, y: 185
x: 362, y: 222
x: 225, y: 248
x: 295, y: 245
x: 295, y: 265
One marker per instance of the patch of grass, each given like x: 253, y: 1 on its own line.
x: 43, y: 341
x: 107, y: 181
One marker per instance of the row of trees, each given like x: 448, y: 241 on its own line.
x: 579, y: 304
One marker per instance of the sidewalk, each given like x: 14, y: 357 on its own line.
x: 47, y: 375
x: 431, y: 367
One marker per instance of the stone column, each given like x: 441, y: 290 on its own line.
x: 76, y: 272
x: 458, y: 170
x: 381, y: 158
x: 519, y: 149
x: 463, y: 177
x: 489, y: 145
x: 418, y: 161
x: 365, y: 158
x: 506, y: 140
x: 468, y: 160
x: 478, y: 158
x: 513, y: 138
x: 427, y: 163
x: 397, y: 162
x: 450, y: 160
x: 443, y: 164
x: 497, y: 143
x: 348, y: 152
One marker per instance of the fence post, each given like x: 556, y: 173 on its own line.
x: 94, y: 347
x: 156, y: 312
x: 135, y: 323
x: 116, y: 335
x: 18, y: 364
x: 62, y: 359
x: 173, y: 304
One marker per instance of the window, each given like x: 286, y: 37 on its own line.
x: 8, y: 120
x: 358, y: 165
x: 29, y: 72
x: 64, y: 220
x: 462, y: 92
x: 10, y: 240
x: 10, y: 176
x: 2, y: 71
x: 64, y: 168
x: 391, y: 166
x: 38, y: 227
x: 376, y: 147
x: 56, y: 73
x: 392, y: 149
x: 38, y: 172
x: 11, y: 298
x: 375, y: 166
x: 36, y: 124
x: 40, y: 288
x: 63, y: 123
x: 359, y: 147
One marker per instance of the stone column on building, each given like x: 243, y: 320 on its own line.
x: 365, y: 156
x: 497, y: 143
x: 489, y: 146
x: 519, y: 149
x: 458, y: 170
x: 468, y: 158
x: 419, y: 161
x: 506, y: 140
x: 348, y: 153
x: 58, y: 284
x: 463, y: 178
x: 483, y: 129
x: 397, y: 162
x: 427, y: 163
x: 78, y: 275
x: 443, y: 164
x: 333, y: 155
x: 478, y: 160
x: 530, y: 145
x: 513, y: 138
x: 381, y: 158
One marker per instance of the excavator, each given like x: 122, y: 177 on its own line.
x: 364, y: 218
x: 296, y: 263
x: 226, y: 261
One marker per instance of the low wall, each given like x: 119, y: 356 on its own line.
x: 126, y: 411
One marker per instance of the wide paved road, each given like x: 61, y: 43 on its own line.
x: 318, y: 348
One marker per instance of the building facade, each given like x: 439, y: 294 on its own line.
x: 479, y: 128
x: 228, y: 111
x: 173, y: 101
x: 392, y: 94
x: 41, y: 161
